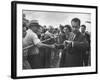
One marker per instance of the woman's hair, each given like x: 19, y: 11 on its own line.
x: 69, y: 27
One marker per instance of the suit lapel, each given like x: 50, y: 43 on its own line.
x: 76, y: 36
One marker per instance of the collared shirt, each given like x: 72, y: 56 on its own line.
x: 30, y: 38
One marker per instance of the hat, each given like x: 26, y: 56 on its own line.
x: 34, y: 23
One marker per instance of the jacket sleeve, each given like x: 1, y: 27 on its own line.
x: 80, y: 45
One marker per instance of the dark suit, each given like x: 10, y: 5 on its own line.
x: 72, y: 56
x: 86, y: 56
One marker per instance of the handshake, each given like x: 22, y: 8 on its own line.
x: 65, y: 44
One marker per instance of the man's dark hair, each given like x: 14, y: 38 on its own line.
x: 83, y: 26
x: 76, y: 20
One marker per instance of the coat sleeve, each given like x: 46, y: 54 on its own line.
x: 80, y: 45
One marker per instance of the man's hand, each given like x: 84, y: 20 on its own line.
x: 59, y: 46
x: 67, y: 43
x: 53, y: 46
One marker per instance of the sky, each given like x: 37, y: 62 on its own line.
x: 57, y: 18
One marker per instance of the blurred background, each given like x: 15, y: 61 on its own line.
x: 56, y: 18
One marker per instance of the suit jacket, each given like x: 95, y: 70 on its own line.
x: 72, y: 57
x: 80, y: 44
x: 87, y: 36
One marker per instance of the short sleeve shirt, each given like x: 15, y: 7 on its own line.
x: 30, y: 38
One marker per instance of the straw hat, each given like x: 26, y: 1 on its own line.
x: 34, y: 23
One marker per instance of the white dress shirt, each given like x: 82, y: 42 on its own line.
x: 30, y: 38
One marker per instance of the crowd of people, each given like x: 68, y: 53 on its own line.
x: 66, y: 46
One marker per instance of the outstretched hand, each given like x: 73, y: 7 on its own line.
x: 53, y: 46
x: 59, y: 46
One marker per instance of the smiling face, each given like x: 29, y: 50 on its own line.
x: 66, y: 30
x: 35, y: 29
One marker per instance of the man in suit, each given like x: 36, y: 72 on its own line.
x: 75, y: 47
x: 86, y: 56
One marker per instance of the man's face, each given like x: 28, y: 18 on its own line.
x: 83, y: 29
x: 75, y: 26
x: 39, y: 31
x: 35, y: 29
x: 51, y: 30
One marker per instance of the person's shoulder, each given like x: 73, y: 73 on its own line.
x: 87, y: 33
x: 31, y: 33
x: 81, y: 35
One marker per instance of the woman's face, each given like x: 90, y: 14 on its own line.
x: 66, y: 30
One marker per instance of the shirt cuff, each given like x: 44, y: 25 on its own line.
x: 37, y: 41
x: 72, y: 43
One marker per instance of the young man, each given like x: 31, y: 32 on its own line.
x: 76, y: 47
x: 31, y: 38
x: 86, y: 56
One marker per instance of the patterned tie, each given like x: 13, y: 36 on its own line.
x: 72, y: 36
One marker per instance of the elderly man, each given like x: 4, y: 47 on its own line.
x: 31, y: 38
x: 86, y: 56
